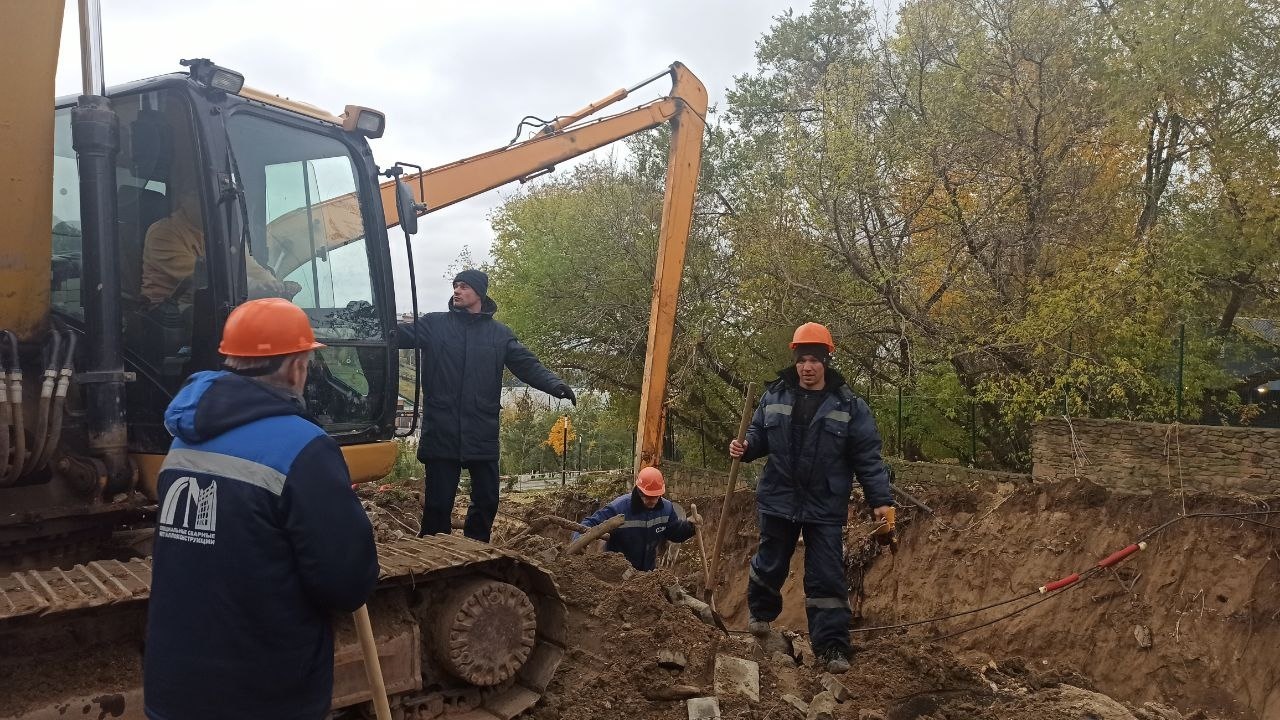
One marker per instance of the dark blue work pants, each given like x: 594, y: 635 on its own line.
x: 826, y: 593
x: 442, y: 487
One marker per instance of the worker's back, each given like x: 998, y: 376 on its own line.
x: 259, y: 538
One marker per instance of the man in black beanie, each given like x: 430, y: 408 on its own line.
x: 818, y: 436
x: 463, y: 353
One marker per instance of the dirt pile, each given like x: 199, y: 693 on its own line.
x: 621, y: 624
x: 1192, y: 621
x: 1185, y: 629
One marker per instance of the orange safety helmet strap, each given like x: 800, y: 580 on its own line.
x: 650, y: 482
x: 268, y: 327
x: 812, y: 333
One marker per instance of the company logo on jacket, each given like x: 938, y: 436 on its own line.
x: 190, y: 512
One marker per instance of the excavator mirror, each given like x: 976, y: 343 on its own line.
x: 406, y: 207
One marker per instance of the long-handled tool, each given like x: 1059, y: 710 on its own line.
x: 748, y: 403
x: 372, y: 667
x: 702, y: 548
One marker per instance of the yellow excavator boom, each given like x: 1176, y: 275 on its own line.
x: 29, y: 40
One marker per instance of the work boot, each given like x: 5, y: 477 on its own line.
x: 759, y: 628
x: 834, y: 660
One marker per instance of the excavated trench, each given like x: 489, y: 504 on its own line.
x: 1186, y: 628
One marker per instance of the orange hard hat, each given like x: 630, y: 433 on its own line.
x: 811, y: 333
x: 267, y: 328
x: 650, y: 482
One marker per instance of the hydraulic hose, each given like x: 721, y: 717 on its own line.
x: 6, y: 416
x: 40, y: 431
x: 59, y: 400
x: 18, y: 422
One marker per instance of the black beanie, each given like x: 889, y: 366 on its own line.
x: 476, y: 279
x: 817, y: 350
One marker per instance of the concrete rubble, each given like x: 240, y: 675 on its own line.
x: 737, y: 676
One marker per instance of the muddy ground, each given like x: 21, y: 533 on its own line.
x: 1185, y: 629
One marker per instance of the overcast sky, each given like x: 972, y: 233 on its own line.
x: 454, y: 78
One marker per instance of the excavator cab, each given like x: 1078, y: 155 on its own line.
x: 221, y: 199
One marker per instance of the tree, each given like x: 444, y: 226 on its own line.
x: 561, y: 437
x: 1004, y: 208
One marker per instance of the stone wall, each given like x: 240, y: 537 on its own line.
x: 1141, y: 457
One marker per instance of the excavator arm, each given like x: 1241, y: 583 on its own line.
x: 568, y: 137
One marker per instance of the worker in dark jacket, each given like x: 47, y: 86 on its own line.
x: 259, y: 537
x: 463, y: 353
x: 650, y: 519
x: 818, y: 435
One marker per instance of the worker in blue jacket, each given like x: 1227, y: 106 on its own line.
x: 650, y: 518
x: 818, y: 436
x: 259, y: 537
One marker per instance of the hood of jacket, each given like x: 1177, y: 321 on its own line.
x: 487, y: 307
x: 213, y: 402
x: 791, y: 378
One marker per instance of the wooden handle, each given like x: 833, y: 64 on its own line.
x: 702, y: 549
x: 748, y: 405
x: 594, y: 533
x: 372, y: 667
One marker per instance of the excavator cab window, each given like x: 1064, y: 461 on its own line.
x: 159, y: 228
x: 306, y: 242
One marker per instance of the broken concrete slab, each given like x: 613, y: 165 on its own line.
x: 737, y: 676
x: 782, y: 659
x: 774, y: 642
x: 821, y: 707
x: 672, y: 659
x: 834, y: 686
x: 703, y: 708
x: 801, y: 706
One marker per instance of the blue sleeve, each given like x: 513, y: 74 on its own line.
x: 757, y: 436
x: 414, y: 335
x: 864, y: 456
x: 525, y: 366
x: 599, y: 516
x: 331, y: 535
x: 678, y: 529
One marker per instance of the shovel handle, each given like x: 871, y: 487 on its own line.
x: 748, y: 405
x: 372, y: 667
x: 702, y: 548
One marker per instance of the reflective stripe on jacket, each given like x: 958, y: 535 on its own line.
x: 638, y: 536
x: 812, y: 483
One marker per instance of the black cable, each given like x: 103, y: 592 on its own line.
x: 1240, y: 515
x: 1259, y: 522
x: 1083, y: 577
x: 913, y: 623
x: 531, y: 121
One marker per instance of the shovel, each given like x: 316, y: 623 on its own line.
x: 721, y: 522
x: 372, y: 667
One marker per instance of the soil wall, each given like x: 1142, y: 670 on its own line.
x: 1193, y: 620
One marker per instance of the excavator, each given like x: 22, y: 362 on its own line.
x: 101, y: 323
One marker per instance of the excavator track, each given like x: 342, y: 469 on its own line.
x: 466, y: 631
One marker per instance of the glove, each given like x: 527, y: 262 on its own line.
x: 565, y: 392
x: 694, y: 519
